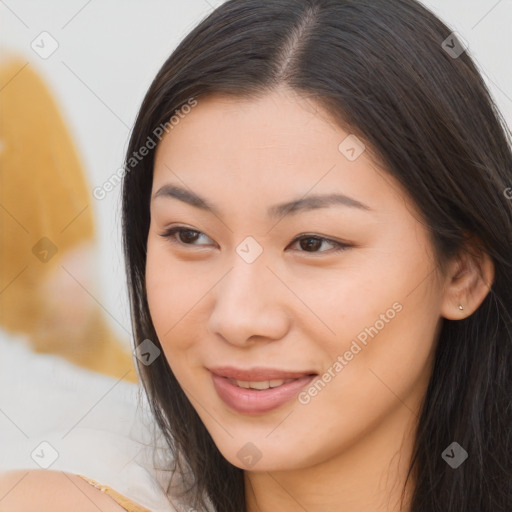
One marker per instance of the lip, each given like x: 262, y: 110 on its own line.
x: 254, y: 402
x: 257, y: 373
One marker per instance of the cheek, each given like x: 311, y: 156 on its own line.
x: 163, y: 289
x: 384, y: 322
x: 166, y: 297
x: 157, y: 286
x: 174, y: 294
x: 384, y: 366
x: 362, y: 384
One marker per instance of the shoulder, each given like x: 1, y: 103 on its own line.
x: 51, y: 491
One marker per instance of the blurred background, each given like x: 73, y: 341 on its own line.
x: 72, y: 76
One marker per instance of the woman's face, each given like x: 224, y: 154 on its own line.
x: 344, y: 288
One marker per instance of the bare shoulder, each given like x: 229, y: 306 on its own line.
x: 51, y: 491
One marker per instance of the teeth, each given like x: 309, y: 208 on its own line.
x: 260, y: 385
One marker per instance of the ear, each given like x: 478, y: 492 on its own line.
x: 468, y: 280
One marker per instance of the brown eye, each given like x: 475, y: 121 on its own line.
x: 187, y: 236
x: 181, y: 235
x: 310, y: 243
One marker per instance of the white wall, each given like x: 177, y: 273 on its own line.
x: 110, y: 50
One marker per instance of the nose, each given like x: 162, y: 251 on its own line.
x: 249, y: 305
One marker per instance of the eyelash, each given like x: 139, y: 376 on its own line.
x: 170, y: 233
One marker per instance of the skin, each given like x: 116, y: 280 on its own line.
x: 51, y: 491
x: 298, y: 309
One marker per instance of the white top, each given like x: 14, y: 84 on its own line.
x: 55, y: 415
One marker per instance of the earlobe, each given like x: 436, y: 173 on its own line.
x: 468, y: 282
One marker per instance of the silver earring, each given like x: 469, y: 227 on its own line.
x: 461, y: 306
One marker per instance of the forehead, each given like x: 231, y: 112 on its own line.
x: 279, y: 126
x: 279, y: 145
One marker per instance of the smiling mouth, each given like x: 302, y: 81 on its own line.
x: 255, y: 397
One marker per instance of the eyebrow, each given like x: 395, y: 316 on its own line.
x: 279, y: 210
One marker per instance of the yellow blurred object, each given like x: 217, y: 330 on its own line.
x: 46, y: 232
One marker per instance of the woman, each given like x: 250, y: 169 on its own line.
x: 363, y: 132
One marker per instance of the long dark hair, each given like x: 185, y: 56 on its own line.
x: 382, y: 71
